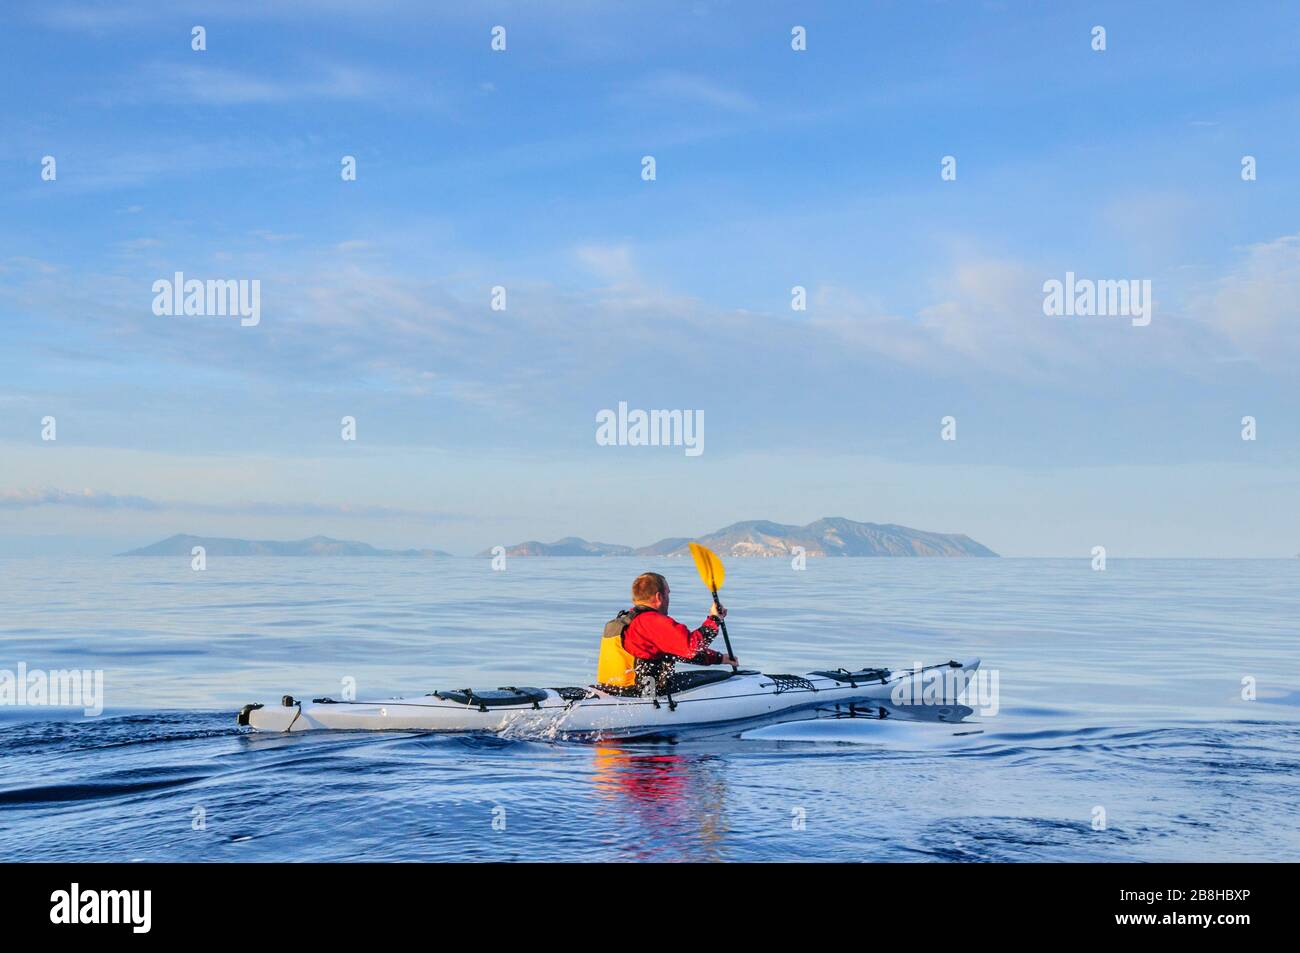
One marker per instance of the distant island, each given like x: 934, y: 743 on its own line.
x: 182, y: 544
x: 569, y: 546
x: 832, y: 536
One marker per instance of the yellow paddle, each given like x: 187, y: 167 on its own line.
x: 714, y: 574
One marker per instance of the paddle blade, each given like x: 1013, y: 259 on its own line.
x: 709, y: 565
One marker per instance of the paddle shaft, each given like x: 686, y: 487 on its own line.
x: 723, y: 622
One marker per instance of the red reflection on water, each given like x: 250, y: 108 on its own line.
x: 674, y: 802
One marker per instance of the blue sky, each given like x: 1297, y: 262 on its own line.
x: 775, y: 168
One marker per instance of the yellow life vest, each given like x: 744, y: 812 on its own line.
x: 616, y: 666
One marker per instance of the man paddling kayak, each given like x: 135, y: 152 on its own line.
x: 716, y: 697
x: 641, y: 645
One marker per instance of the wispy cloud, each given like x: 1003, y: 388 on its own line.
x: 227, y: 87
x: 27, y: 498
x: 331, y: 313
x: 124, y: 15
x: 612, y: 263
x: 31, y: 498
x: 1256, y: 306
x: 676, y: 87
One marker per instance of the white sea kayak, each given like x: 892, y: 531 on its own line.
x: 699, y: 698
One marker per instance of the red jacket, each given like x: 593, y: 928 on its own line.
x: 653, y: 634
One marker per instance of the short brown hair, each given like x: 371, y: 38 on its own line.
x: 648, y: 585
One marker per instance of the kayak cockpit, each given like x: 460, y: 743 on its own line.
x: 699, y: 677
x: 506, y: 697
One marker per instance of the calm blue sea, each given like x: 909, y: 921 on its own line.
x: 1120, y: 697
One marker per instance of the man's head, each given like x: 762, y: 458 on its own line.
x: 650, y: 589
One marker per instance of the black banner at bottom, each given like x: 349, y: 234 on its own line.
x: 338, y: 902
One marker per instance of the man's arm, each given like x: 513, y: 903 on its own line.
x: 673, y: 638
x: 707, y: 657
